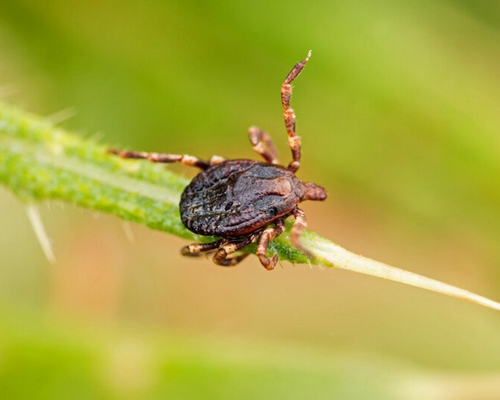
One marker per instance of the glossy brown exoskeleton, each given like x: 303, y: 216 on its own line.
x: 244, y: 201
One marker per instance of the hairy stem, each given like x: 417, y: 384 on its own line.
x: 40, y: 161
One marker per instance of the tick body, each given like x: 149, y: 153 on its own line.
x: 244, y: 201
x: 238, y: 197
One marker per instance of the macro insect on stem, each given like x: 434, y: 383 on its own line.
x: 244, y: 201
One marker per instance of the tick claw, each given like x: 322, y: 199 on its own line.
x: 268, y: 263
x: 271, y: 263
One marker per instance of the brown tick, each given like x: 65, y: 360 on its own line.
x: 244, y: 201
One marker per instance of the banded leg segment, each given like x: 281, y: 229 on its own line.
x: 298, y: 226
x: 222, y: 260
x: 289, y: 114
x: 184, y: 159
x: 266, y: 236
x: 216, y: 160
x: 263, y: 144
x: 195, y: 249
x: 221, y: 257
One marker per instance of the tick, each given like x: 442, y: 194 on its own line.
x: 244, y: 201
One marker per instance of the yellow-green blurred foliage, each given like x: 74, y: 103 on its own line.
x: 399, y: 114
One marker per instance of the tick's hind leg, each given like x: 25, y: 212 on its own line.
x: 184, y: 159
x: 289, y: 114
x: 195, y: 249
x: 263, y: 144
x: 268, y: 235
x: 221, y: 257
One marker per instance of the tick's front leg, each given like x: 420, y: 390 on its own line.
x: 263, y: 144
x: 289, y: 114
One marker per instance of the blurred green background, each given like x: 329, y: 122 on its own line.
x: 399, y: 114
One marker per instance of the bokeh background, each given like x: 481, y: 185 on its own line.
x: 399, y: 114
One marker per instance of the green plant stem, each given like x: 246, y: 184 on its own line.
x: 39, y: 161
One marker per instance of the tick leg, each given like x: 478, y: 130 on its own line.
x: 184, y: 159
x: 220, y: 258
x: 263, y: 144
x: 289, y: 114
x: 268, y: 235
x: 216, y: 160
x: 195, y: 249
x: 228, y: 262
x: 298, y: 226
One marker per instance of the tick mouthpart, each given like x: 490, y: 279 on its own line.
x: 313, y: 192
